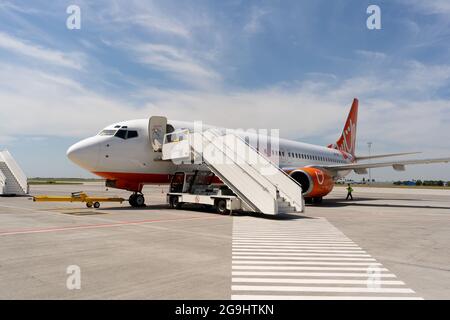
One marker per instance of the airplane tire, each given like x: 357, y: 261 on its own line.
x: 140, y: 200
x: 317, y: 200
x: 132, y: 200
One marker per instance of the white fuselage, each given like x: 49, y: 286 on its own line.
x: 113, y: 157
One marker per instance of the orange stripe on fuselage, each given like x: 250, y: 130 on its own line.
x: 142, y: 178
x: 136, y: 177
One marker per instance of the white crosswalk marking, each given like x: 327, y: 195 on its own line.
x: 305, y: 259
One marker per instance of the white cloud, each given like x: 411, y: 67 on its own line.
x: 429, y: 7
x: 28, y: 49
x: 161, y: 24
x: 148, y: 16
x: 176, y: 63
x: 254, y: 24
x: 371, y: 55
x: 53, y: 105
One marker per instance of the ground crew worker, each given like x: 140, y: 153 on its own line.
x: 349, y: 192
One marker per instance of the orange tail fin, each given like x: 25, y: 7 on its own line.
x: 347, y: 141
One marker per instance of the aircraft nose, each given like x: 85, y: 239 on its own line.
x: 84, y: 153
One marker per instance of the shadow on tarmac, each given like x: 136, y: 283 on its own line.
x: 335, y: 203
x: 208, y: 209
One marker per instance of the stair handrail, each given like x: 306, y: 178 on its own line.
x: 277, y: 187
x: 243, y: 197
x: 275, y: 166
x: 262, y: 186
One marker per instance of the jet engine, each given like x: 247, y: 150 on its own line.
x: 316, y: 183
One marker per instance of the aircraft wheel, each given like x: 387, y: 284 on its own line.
x: 132, y: 200
x: 317, y: 200
x: 140, y: 200
x: 96, y: 205
x: 221, y: 206
x: 89, y: 204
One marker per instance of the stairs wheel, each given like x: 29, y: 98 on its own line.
x: 89, y: 204
x: 96, y: 205
x: 173, y: 202
x: 221, y: 206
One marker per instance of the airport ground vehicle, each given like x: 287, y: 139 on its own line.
x: 197, y: 188
x: 78, y: 197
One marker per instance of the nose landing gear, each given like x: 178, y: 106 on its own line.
x: 137, y: 200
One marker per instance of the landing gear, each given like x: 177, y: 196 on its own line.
x: 137, y: 200
x: 315, y: 200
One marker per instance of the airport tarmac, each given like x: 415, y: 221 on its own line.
x: 387, y: 243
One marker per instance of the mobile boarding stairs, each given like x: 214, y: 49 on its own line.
x: 259, y: 183
x: 13, y: 180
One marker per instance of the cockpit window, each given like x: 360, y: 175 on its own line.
x: 107, y: 132
x: 132, y: 134
x: 126, y: 134
x: 122, y: 134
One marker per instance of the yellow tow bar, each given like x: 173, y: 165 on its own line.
x: 78, y: 197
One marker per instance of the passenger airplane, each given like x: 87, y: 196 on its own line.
x: 128, y: 155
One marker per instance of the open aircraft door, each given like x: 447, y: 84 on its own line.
x: 157, y: 129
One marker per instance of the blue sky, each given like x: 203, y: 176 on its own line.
x: 292, y: 65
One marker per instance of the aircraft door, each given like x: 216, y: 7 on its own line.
x: 156, y: 130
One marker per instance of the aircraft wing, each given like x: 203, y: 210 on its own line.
x: 384, y: 155
x: 361, y: 168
